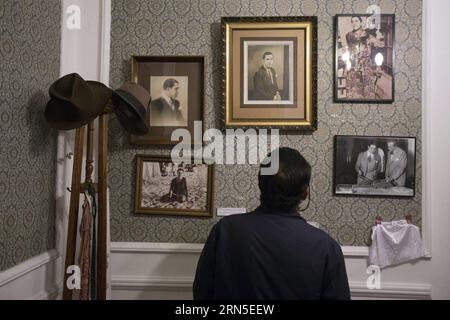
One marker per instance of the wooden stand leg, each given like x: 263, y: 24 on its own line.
x: 102, y: 206
x: 73, y: 209
x: 77, y: 187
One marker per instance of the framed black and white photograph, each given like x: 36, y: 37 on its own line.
x: 176, y: 85
x: 270, y: 72
x: 167, y: 188
x: 375, y: 166
x: 364, y: 58
x: 169, y: 105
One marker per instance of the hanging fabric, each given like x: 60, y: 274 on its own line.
x: 394, y: 243
x: 91, y: 191
x: 85, y: 247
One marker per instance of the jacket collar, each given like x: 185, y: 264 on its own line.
x: 266, y: 210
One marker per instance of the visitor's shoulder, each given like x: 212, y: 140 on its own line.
x: 236, y: 217
x: 323, y: 237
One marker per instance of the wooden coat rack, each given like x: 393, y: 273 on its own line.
x: 101, y: 189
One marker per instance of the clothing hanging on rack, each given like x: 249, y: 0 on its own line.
x: 85, y: 246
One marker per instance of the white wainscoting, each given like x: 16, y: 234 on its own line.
x: 34, y: 279
x: 166, y: 271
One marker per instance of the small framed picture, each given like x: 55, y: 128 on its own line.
x: 375, y: 166
x: 270, y: 70
x: 167, y: 188
x: 176, y: 85
x: 364, y: 58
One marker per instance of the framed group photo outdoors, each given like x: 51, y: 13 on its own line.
x: 270, y: 70
x: 167, y: 188
x: 375, y: 166
x: 364, y: 58
x: 176, y: 85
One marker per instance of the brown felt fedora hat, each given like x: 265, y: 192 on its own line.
x: 130, y: 103
x: 75, y: 102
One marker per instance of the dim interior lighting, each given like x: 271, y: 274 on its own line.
x: 379, y: 59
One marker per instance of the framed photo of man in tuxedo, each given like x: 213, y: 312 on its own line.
x: 270, y: 72
x: 176, y: 85
x: 375, y: 166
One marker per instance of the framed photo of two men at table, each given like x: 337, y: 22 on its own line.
x: 176, y: 86
x: 375, y: 166
x: 270, y: 72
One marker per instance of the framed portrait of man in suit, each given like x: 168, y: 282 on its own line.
x: 375, y: 166
x: 270, y: 72
x: 176, y: 86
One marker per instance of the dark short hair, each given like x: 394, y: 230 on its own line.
x: 372, y: 143
x: 267, y: 54
x: 180, y: 169
x: 392, y: 141
x: 285, y: 189
x: 355, y: 16
x: 169, y: 83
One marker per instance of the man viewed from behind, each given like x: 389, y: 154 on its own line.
x: 273, y: 253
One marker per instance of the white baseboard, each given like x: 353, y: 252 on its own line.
x: 166, y: 271
x: 151, y: 283
x: 54, y: 293
x: 152, y: 247
x: 34, y: 279
x: 400, y: 291
x: 358, y: 290
x: 155, y: 247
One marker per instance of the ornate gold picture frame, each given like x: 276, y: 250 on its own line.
x: 270, y: 72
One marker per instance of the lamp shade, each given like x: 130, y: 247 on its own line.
x: 379, y: 59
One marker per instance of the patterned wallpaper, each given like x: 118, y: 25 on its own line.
x: 29, y: 54
x: 179, y: 27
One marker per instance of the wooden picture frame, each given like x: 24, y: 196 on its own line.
x: 168, y: 111
x: 364, y: 58
x: 270, y: 72
x: 374, y: 166
x: 160, y: 191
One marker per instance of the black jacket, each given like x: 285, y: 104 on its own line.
x: 264, y: 88
x: 268, y: 255
x: 161, y: 113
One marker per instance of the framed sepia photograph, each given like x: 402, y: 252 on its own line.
x: 375, y: 166
x: 364, y: 58
x: 270, y: 71
x: 176, y: 85
x: 167, y: 188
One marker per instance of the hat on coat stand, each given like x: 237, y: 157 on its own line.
x: 75, y: 102
x: 130, y: 104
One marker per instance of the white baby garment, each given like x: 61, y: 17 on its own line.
x: 394, y: 243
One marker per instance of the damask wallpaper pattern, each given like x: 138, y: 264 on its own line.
x: 179, y: 27
x: 30, y: 54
